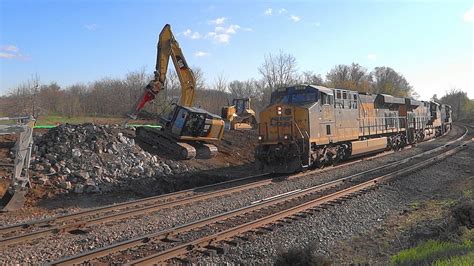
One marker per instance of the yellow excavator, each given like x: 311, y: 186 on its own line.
x: 239, y: 115
x: 186, y: 130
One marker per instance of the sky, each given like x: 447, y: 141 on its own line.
x: 431, y: 43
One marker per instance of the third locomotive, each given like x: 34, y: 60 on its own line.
x: 308, y: 126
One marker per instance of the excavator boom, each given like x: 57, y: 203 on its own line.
x: 168, y: 47
x: 187, y: 129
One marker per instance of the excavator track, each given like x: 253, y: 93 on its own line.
x: 205, y: 150
x: 165, y: 141
x: 178, y: 149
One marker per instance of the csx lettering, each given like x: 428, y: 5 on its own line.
x: 281, y: 121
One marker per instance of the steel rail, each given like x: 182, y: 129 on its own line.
x: 127, y: 213
x: 238, y: 230
x: 142, y: 210
x: 123, y: 205
x: 163, y: 235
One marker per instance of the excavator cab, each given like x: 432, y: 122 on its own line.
x: 192, y: 122
x: 241, y: 105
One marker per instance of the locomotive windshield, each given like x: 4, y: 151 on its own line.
x: 295, y: 95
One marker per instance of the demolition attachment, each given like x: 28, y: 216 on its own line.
x: 14, y: 198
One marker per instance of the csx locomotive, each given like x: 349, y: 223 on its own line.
x: 309, y: 126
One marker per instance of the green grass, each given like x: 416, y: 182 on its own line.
x: 467, y: 193
x: 51, y: 120
x: 431, y: 251
x: 465, y: 260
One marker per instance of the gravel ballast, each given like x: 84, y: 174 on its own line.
x: 327, y: 226
x: 325, y: 229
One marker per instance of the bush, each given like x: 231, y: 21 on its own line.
x: 463, y: 214
x: 301, y: 256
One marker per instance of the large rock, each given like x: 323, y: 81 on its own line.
x: 94, y: 158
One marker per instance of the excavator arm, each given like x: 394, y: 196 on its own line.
x: 168, y: 47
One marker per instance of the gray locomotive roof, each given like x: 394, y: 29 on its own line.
x: 367, y: 98
x: 328, y: 91
x: 415, y: 102
x: 391, y: 99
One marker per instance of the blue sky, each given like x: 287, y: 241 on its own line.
x: 430, y: 42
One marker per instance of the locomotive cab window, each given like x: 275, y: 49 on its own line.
x: 295, y: 95
x: 326, y: 99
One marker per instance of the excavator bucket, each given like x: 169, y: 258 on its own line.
x: 13, y: 200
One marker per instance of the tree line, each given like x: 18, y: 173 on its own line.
x: 116, y: 96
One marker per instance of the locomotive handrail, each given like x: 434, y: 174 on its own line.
x: 299, y: 130
x: 302, y: 136
x: 379, y: 122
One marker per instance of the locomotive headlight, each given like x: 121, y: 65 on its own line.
x: 260, y: 137
x: 285, y: 136
x: 279, y: 110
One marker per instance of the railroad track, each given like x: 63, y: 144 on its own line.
x: 31, y: 230
x: 267, y: 211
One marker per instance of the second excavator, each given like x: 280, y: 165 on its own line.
x: 187, y: 131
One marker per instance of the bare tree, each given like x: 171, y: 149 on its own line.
x: 352, y: 77
x: 220, y: 83
x: 34, y: 87
x: 199, y: 77
x: 386, y: 80
x: 279, y: 70
x: 309, y: 77
x: 462, y: 106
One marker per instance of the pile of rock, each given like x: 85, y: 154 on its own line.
x: 93, y: 158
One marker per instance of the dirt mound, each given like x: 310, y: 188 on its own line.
x: 463, y: 214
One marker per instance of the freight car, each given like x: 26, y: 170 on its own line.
x: 307, y: 126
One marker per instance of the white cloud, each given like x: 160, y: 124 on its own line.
x: 268, y: 12
x: 219, y: 37
x: 282, y: 11
x: 192, y: 35
x: 187, y: 32
x: 91, y: 27
x: 247, y: 29
x: 201, y: 54
x: 469, y: 15
x: 221, y: 34
x: 218, y: 21
x: 9, y: 48
x: 317, y: 24
x: 10, y: 51
x: 7, y: 55
x: 295, y: 18
x: 372, y: 56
